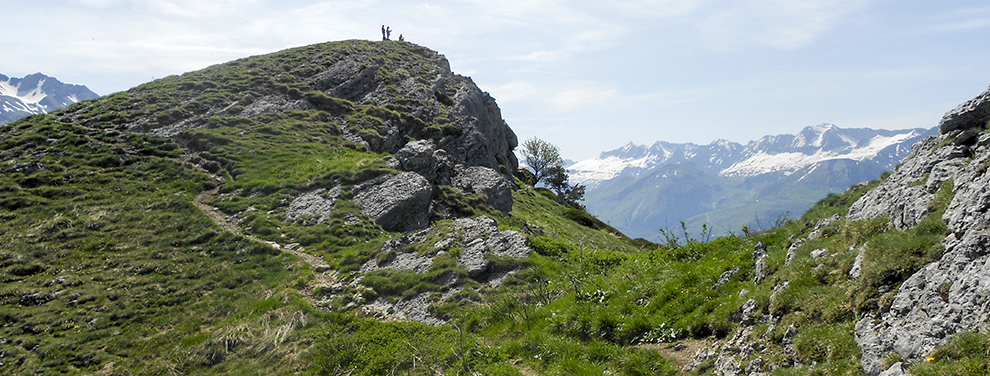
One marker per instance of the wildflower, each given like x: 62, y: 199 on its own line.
x: 931, y: 359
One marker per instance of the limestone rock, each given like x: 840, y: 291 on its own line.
x: 972, y: 114
x: 759, y: 250
x: 792, y: 250
x: 275, y: 103
x: 725, y: 277
x: 856, y: 272
x: 397, y: 203
x: 896, y: 369
x: 485, y: 140
x: 820, y: 225
x: 818, y: 253
x: 317, y: 204
x: 967, y: 138
x: 473, y: 257
x: 949, y: 295
x: 901, y: 196
x: 943, y: 298
x: 760, y: 269
x: 422, y: 157
x: 482, y: 238
x: 477, y: 179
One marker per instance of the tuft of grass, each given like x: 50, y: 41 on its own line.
x: 967, y: 354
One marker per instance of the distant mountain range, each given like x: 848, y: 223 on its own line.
x: 640, y: 189
x: 37, y: 94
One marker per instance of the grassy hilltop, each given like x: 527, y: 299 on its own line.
x: 145, y: 232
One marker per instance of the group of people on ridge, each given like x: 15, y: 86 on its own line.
x: 387, y: 34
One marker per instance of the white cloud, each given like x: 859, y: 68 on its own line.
x: 582, y: 95
x: 783, y: 24
x: 559, y: 98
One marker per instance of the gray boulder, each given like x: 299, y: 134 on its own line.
x: 482, y: 238
x: 422, y: 157
x: 473, y: 257
x: 972, y: 114
x: 725, y: 277
x: 820, y: 225
x: 477, y: 179
x: 417, y: 156
x: 317, y: 204
x: 398, y: 202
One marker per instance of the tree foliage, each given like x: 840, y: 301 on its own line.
x: 543, y: 158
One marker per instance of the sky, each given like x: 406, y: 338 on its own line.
x: 587, y: 76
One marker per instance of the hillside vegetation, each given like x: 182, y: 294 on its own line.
x: 110, y: 265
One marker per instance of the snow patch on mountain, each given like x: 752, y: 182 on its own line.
x: 770, y: 154
x: 37, y: 94
x: 763, y: 162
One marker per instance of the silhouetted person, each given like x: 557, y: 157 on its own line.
x: 388, y: 33
x: 383, y: 32
x: 401, y: 38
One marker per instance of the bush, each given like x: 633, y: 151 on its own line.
x: 548, y: 246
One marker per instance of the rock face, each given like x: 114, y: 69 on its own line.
x: 422, y: 157
x: 951, y: 294
x: 397, y: 203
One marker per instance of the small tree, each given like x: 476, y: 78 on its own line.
x: 548, y: 167
x: 567, y: 194
x: 541, y: 157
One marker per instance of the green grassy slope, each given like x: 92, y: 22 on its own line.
x: 108, y: 267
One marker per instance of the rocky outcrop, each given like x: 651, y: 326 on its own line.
x: 951, y: 294
x: 422, y: 157
x: 905, y: 195
x: 477, y: 179
x: 483, y: 239
x: 479, y: 241
x: 486, y: 140
x: 396, y: 202
x: 973, y: 114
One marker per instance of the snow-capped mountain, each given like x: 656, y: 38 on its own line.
x: 771, y: 154
x: 639, y: 189
x: 37, y: 94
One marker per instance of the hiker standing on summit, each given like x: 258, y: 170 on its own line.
x: 383, y: 32
x: 388, y: 33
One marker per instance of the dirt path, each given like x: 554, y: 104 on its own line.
x: 680, y: 353
x: 323, y: 274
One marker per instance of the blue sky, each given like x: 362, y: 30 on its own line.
x: 588, y: 76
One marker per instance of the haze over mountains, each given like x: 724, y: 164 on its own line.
x: 640, y: 189
x: 37, y: 94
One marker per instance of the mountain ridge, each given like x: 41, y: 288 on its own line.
x: 727, y: 158
x: 37, y: 94
x: 745, y: 182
